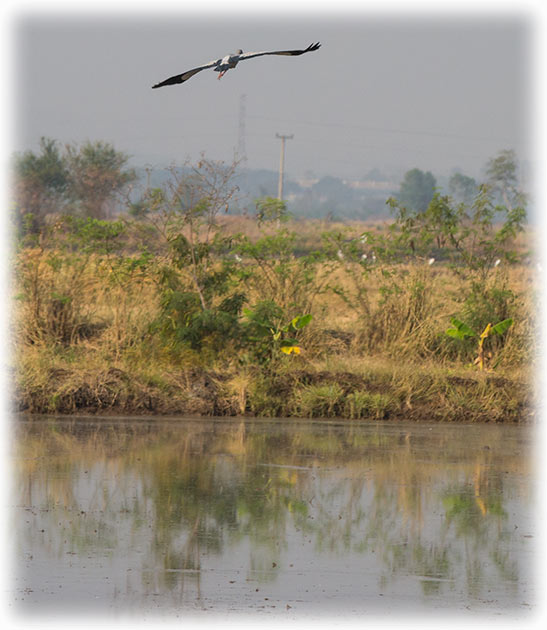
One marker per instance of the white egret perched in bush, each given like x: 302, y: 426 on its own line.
x: 229, y: 62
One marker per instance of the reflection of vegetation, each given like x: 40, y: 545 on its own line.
x: 466, y: 505
x: 469, y: 509
x: 418, y: 502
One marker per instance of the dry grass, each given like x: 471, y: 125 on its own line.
x: 83, y: 341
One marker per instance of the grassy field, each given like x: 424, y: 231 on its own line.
x: 124, y: 322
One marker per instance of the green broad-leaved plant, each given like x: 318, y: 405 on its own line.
x: 462, y: 331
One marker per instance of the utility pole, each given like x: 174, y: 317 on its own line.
x: 281, y: 164
x: 241, y: 151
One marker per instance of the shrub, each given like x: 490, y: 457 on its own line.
x: 363, y: 404
x: 319, y: 400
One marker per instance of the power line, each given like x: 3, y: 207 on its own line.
x: 385, y: 129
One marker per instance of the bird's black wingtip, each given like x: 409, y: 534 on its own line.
x: 162, y: 83
x: 178, y: 78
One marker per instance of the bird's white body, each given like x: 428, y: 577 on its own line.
x: 229, y: 62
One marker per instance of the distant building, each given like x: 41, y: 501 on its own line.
x: 306, y: 183
x: 370, y: 184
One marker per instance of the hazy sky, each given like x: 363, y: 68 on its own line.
x: 383, y: 91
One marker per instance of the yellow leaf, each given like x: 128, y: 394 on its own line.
x: 290, y: 349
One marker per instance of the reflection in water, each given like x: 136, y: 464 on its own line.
x: 271, y: 516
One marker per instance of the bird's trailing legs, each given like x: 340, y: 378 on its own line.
x: 221, y: 74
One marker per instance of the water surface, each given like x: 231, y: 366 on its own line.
x: 297, y: 518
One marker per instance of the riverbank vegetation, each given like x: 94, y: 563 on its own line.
x: 177, y: 308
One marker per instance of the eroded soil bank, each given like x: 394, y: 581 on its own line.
x: 406, y: 393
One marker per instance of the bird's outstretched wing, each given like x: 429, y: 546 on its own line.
x: 292, y: 53
x: 181, y: 78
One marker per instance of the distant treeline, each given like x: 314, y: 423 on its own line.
x: 94, y: 180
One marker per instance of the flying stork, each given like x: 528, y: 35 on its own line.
x: 230, y: 61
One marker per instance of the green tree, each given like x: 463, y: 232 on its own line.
x: 40, y: 184
x: 462, y: 188
x: 97, y: 173
x: 271, y: 209
x: 83, y: 180
x: 472, y: 236
x: 417, y: 190
x: 200, y: 304
x: 502, y: 175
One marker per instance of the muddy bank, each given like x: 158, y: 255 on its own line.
x: 421, y: 396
